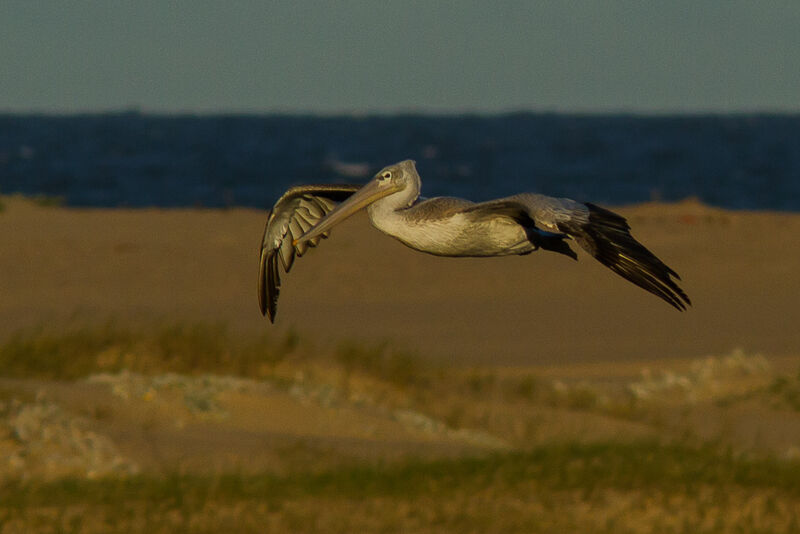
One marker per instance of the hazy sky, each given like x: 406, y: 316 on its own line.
x: 368, y: 56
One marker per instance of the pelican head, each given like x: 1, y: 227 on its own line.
x: 400, y: 177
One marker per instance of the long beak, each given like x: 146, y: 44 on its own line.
x: 372, y: 191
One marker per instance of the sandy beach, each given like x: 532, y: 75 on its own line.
x: 538, y: 364
x: 65, y: 265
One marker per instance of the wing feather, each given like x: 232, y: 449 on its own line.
x: 298, y: 210
x: 287, y: 254
x: 602, y: 233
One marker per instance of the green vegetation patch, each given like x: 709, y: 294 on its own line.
x: 179, y: 348
x: 383, y: 362
x: 583, y: 467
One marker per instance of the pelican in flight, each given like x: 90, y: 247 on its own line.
x: 446, y: 226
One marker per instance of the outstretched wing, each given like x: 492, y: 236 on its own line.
x: 600, y: 232
x: 606, y: 236
x: 299, y: 209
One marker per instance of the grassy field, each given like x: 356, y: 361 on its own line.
x: 609, y: 487
x: 559, y: 451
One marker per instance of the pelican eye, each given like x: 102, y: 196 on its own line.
x: 386, y: 175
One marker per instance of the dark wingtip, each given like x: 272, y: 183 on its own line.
x: 262, y: 289
x: 273, y: 286
x: 606, y: 237
x: 262, y: 296
x: 268, y: 281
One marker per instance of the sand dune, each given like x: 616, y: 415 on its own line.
x: 61, y: 265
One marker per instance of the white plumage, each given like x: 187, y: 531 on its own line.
x: 446, y: 226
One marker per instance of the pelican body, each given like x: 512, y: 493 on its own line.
x: 445, y: 226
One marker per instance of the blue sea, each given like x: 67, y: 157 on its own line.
x: 135, y: 160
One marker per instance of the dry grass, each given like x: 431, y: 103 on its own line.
x: 567, y: 469
x: 610, y: 487
x: 785, y: 390
x: 180, y: 348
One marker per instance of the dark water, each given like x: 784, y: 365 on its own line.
x: 129, y: 159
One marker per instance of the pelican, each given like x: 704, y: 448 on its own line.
x: 444, y: 226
